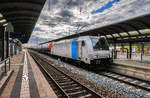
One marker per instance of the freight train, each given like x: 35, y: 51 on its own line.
x: 91, y: 50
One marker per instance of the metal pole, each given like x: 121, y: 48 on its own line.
x: 13, y: 48
x: 122, y: 47
x: 115, y: 57
x: 130, y: 54
x: 7, y: 49
x: 4, y: 48
x: 112, y: 53
x: 127, y: 53
x: 7, y: 44
x: 5, y: 66
x: 9, y: 63
x: 3, y: 44
x: 142, y: 51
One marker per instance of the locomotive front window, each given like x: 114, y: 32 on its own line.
x: 99, y: 44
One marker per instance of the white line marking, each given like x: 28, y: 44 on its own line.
x: 25, y: 92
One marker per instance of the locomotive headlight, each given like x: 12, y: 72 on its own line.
x: 94, y: 57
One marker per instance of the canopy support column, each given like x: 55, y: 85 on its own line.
x: 122, y: 46
x: 130, y: 50
x: 115, y: 51
x: 7, y: 48
x: 4, y: 48
x: 142, y: 51
x: 3, y: 43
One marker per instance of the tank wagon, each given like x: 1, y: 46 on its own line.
x: 87, y: 49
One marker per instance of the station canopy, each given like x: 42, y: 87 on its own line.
x: 136, y: 29
x: 22, y: 14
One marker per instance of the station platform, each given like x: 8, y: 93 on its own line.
x: 137, y: 69
x: 27, y: 80
x: 133, y: 63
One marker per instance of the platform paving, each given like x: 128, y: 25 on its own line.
x: 43, y: 86
x: 16, y: 59
x: 145, y: 65
x: 27, y: 80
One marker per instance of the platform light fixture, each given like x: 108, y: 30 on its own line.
x: 1, y: 15
x: 3, y: 20
x: 5, y: 24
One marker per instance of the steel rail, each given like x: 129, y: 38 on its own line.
x: 124, y: 81
x: 94, y: 94
x: 46, y: 72
x: 91, y: 91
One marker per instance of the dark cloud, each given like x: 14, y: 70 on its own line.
x: 77, y: 3
x: 60, y: 33
x: 65, y: 13
x: 59, y: 20
x: 76, y: 24
x: 53, y: 2
x: 45, y: 17
x: 49, y: 23
x: 73, y: 3
x: 52, y: 24
x: 54, y: 21
x: 35, y: 39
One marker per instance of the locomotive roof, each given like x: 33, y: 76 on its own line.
x: 69, y: 40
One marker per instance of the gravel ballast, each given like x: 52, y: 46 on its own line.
x: 114, y: 86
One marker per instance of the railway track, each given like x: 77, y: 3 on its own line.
x: 68, y: 87
x: 136, y: 82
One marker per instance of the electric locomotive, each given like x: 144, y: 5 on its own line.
x: 91, y: 50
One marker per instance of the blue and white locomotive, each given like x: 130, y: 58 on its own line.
x: 87, y: 49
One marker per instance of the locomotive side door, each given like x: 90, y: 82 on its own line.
x: 83, y: 51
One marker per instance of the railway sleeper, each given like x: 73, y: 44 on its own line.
x: 86, y: 96
x: 63, y: 84
x: 64, y: 81
x: 78, y: 87
x: 57, y: 77
x: 74, y: 90
x: 78, y: 94
x: 70, y: 86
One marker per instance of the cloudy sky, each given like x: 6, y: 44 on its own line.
x: 65, y: 17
